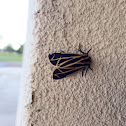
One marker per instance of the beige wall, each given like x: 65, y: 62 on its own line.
x: 99, y: 99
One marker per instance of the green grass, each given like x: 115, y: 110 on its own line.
x: 13, y: 57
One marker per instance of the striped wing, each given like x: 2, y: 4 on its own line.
x: 58, y: 59
x: 68, y: 63
x: 63, y: 72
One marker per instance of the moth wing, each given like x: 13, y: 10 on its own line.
x: 63, y: 72
x: 58, y: 58
x: 54, y: 58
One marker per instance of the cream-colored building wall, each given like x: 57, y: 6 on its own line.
x: 99, y: 99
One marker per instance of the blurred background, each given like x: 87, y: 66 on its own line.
x: 13, y: 25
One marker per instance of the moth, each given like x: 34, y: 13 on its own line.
x: 68, y: 63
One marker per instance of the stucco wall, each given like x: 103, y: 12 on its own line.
x: 99, y: 99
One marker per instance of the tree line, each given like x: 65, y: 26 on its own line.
x: 9, y: 48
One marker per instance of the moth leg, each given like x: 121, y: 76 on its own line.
x: 86, y: 71
x: 80, y: 49
x: 83, y: 71
x: 61, y: 51
x: 90, y: 68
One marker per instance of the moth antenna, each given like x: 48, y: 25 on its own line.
x: 89, y: 50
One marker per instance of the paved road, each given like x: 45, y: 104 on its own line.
x: 9, y: 91
x: 9, y: 64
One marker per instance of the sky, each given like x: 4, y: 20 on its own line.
x: 13, y: 22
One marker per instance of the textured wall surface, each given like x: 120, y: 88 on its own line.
x: 99, y: 99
